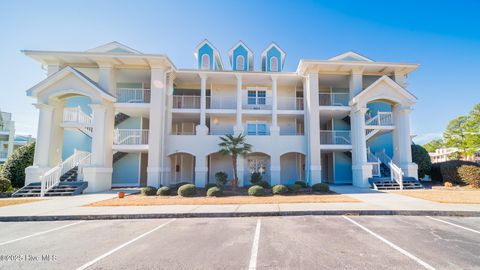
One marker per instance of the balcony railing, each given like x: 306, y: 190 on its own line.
x: 340, y: 137
x: 222, y: 102
x: 290, y: 103
x: 220, y: 132
x: 333, y: 99
x: 133, y: 95
x: 262, y: 103
x: 130, y: 137
x: 183, y: 133
x: 381, y: 119
x: 76, y: 115
x: 5, y: 125
x: 186, y: 102
x: 291, y: 133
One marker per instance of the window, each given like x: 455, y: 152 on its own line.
x: 257, y: 129
x: 240, y: 63
x: 257, y: 97
x: 257, y: 164
x: 205, y: 61
x: 273, y: 63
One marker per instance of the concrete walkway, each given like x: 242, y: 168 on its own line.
x: 372, y: 202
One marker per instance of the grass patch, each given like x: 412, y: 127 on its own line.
x: 7, y: 202
x: 461, y: 196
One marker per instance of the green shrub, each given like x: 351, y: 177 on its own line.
x: 214, y: 192
x: 178, y: 185
x: 255, y: 177
x: 448, y: 171
x: 422, y: 159
x: 256, y: 191
x: 210, y: 185
x: 321, y: 187
x: 164, y: 191
x: 5, y: 184
x: 279, y: 189
x: 470, y: 175
x: 14, y: 167
x: 263, y: 184
x: 149, y: 191
x: 221, y: 178
x: 294, y: 188
x: 301, y: 183
x: 187, y: 190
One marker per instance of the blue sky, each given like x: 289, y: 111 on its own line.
x: 443, y: 37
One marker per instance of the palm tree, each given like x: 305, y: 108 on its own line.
x: 234, y: 146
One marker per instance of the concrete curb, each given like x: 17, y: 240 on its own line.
x: 246, y: 214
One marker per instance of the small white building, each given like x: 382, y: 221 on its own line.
x: 132, y: 119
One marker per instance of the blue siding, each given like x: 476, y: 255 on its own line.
x: 240, y: 50
x: 126, y: 170
x: 343, y: 169
x: 339, y: 124
x: 205, y: 49
x: 76, y: 139
x: 374, y: 107
x: 273, y: 52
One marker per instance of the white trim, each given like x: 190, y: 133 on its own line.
x: 202, y: 62
x: 352, y: 55
x: 400, y: 90
x: 270, y: 64
x: 453, y: 224
x: 243, y: 63
x: 40, y: 233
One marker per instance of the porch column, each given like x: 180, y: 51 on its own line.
x: 403, y: 141
x: 312, y: 129
x: 274, y: 129
x: 356, y: 82
x: 274, y: 169
x: 156, y: 127
x: 168, y: 119
x: 238, y: 129
x: 106, y: 78
x: 202, y: 129
x: 240, y: 172
x: 360, y: 168
x: 201, y: 170
x: 11, y: 137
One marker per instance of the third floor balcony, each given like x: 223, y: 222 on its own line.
x: 333, y: 99
x: 133, y: 95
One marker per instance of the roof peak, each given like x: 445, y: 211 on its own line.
x: 114, y: 46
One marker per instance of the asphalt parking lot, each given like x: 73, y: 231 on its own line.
x: 303, y: 242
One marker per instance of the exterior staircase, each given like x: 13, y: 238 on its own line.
x: 120, y: 117
x: 386, y: 183
x: 66, y: 188
x: 118, y: 155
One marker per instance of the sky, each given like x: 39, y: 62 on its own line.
x: 442, y: 36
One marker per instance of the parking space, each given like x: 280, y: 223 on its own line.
x: 304, y: 242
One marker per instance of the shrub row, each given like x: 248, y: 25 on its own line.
x: 448, y: 171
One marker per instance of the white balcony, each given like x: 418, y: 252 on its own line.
x: 133, y: 95
x: 333, y: 99
x: 75, y: 115
x: 291, y: 133
x: 258, y: 103
x: 179, y: 132
x: 222, y: 102
x: 130, y: 137
x: 290, y: 103
x: 335, y: 137
x: 186, y: 102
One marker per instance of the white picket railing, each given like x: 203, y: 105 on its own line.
x: 396, y: 173
x: 52, y: 177
x: 381, y: 119
x: 76, y: 115
x: 186, y: 102
x: 133, y: 95
x: 341, y: 137
x: 130, y: 136
x: 222, y: 102
x: 333, y: 99
x: 290, y: 103
x: 375, y: 162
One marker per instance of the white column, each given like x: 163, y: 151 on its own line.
x: 106, y: 78
x: 201, y: 171
x: 400, y: 78
x: 168, y: 119
x: 157, y: 104
x: 240, y: 171
x: 202, y: 129
x: 361, y: 170
x: 274, y: 129
x: 313, y: 128
x: 238, y: 129
x: 98, y: 137
x: 356, y: 82
x: 404, y: 141
x: 11, y: 137
x: 57, y: 133
x: 274, y: 169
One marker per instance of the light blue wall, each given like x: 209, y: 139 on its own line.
x: 384, y: 141
x: 240, y: 50
x: 205, y: 49
x: 126, y: 169
x: 343, y: 168
x: 130, y: 123
x: 275, y: 53
x: 339, y: 124
x: 374, y: 107
x: 76, y: 139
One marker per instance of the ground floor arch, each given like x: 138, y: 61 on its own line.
x: 256, y: 162
x: 292, y: 167
x: 182, y: 168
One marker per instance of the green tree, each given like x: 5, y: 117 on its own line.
x: 433, y: 145
x: 472, y: 138
x: 422, y: 159
x: 456, y: 133
x: 14, y: 168
x: 234, y: 147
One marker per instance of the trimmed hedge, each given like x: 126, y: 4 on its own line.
x: 187, y: 190
x: 14, y: 168
x: 321, y: 187
x: 221, y: 178
x: 301, y: 183
x: 148, y: 191
x: 4, y: 184
x: 263, y: 184
x: 294, y: 188
x: 422, y: 159
x: 255, y: 177
x: 214, y: 192
x: 210, y: 185
x: 470, y: 175
x: 256, y: 191
x: 279, y: 189
x: 448, y: 171
x: 164, y: 191
x: 178, y: 185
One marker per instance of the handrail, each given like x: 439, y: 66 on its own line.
x: 341, y: 137
x: 381, y: 119
x: 131, y: 136
x: 396, y: 173
x: 222, y: 102
x: 75, y: 114
x: 375, y: 162
x: 133, y: 95
x: 186, y: 102
x: 290, y: 103
x: 333, y: 99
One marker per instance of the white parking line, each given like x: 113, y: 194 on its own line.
x: 253, y: 255
x: 453, y: 224
x: 40, y: 233
x: 399, y: 249
x: 90, y: 263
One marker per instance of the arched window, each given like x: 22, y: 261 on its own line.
x: 273, y: 63
x: 205, y: 61
x: 240, y: 63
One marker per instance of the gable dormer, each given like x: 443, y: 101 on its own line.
x: 241, y: 57
x: 350, y: 56
x: 273, y: 58
x: 207, y: 56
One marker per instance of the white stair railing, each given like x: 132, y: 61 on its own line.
x: 396, y: 173
x: 76, y: 115
x: 52, y: 177
x: 131, y: 136
x: 341, y: 137
x: 375, y: 162
x: 133, y: 95
x: 381, y: 119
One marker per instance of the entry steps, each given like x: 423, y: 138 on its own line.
x: 385, y: 183
x: 65, y: 188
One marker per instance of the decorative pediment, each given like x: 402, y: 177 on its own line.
x: 350, y: 56
x: 384, y: 89
x: 114, y: 47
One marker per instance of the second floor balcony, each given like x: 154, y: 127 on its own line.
x: 335, y: 137
x: 130, y: 137
x: 333, y: 99
x: 133, y: 95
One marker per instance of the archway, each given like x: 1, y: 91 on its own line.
x: 256, y: 162
x: 182, y: 168
x: 292, y: 167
